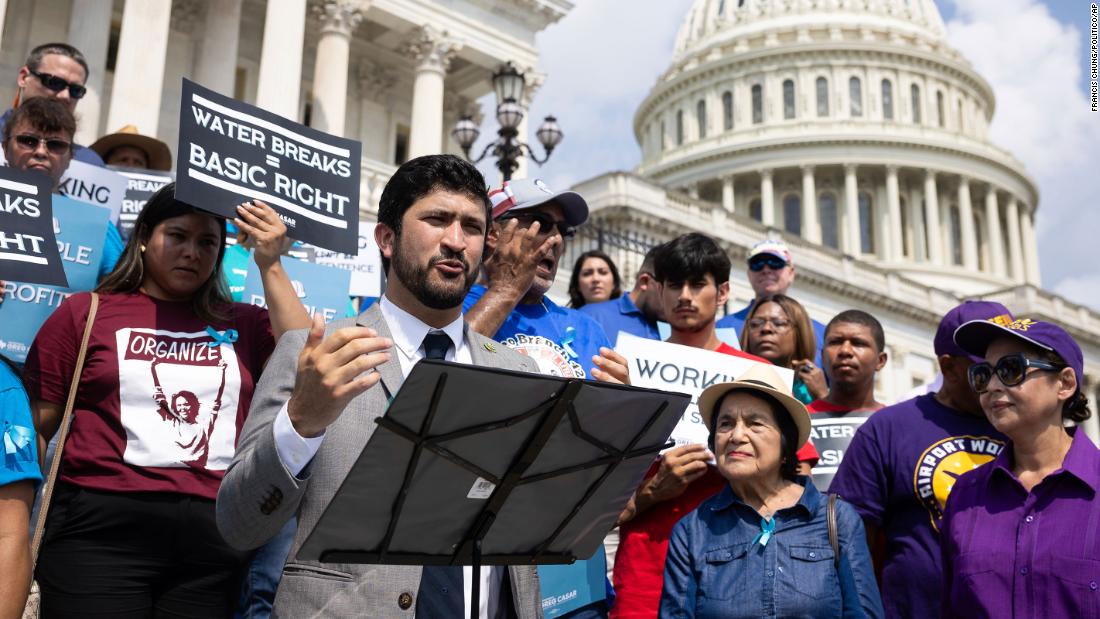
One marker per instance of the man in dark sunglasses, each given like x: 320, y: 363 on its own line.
x: 770, y: 272
x: 56, y: 71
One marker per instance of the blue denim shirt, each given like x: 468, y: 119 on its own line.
x: 715, y: 570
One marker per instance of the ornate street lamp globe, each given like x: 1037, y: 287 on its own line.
x: 549, y: 133
x: 508, y: 83
x: 465, y: 132
x: 509, y: 114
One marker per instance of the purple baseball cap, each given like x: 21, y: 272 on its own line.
x: 975, y: 336
x: 944, y: 344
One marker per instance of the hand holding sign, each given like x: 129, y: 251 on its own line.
x: 611, y: 367
x: 261, y: 229
x: 332, y: 371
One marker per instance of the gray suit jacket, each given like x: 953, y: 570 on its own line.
x: 259, y: 495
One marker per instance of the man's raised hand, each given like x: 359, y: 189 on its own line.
x: 331, y: 372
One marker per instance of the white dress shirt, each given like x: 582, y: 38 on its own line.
x: 407, y: 332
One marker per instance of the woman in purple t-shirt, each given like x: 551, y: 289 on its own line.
x: 1020, y: 533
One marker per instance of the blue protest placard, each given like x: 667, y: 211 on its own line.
x: 565, y: 588
x: 230, y: 151
x: 28, y: 247
x: 80, y: 229
x: 323, y: 290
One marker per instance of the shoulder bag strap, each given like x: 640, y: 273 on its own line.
x: 55, y: 462
x: 830, y: 521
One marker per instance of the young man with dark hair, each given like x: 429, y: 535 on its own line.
x: 636, y: 312
x: 307, y: 424
x: 854, y: 351
x: 902, y: 464
x: 56, y: 71
x: 693, y: 272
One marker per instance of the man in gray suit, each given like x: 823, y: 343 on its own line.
x: 310, y: 416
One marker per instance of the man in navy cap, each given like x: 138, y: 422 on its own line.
x: 903, y: 462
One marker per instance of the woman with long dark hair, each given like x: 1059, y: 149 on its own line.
x: 131, y: 530
x: 595, y: 279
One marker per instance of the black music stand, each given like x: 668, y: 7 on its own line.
x: 472, y: 466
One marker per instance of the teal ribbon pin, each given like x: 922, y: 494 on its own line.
x: 228, y: 337
x: 567, y: 341
x: 767, y: 527
x: 16, y: 439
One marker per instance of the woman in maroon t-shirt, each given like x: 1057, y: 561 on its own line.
x: 171, y: 366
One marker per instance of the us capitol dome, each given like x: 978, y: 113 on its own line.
x: 855, y: 132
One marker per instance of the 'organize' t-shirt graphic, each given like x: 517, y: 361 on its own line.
x: 173, y: 389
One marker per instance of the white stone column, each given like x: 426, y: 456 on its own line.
x: 216, y: 66
x: 1031, y: 247
x: 767, y: 198
x: 280, y: 82
x: 433, y: 51
x: 932, y: 219
x: 1015, y: 243
x: 139, y: 70
x: 918, y: 239
x: 993, y: 231
x: 966, y: 227
x: 852, y: 244
x: 729, y: 199
x: 89, y: 31
x: 811, y: 224
x: 330, y: 70
x: 896, y: 251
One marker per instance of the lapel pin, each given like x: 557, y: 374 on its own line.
x: 489, y: 347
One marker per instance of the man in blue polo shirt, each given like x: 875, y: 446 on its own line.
x: 636, y: 312
x: 771, y: 271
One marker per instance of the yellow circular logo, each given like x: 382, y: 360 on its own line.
x: 943, y: 463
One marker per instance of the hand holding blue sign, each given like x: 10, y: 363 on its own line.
x: 261, y: 229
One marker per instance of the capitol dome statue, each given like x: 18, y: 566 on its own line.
x: 850, y: 124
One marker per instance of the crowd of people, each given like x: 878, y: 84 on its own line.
x: 200, y: 440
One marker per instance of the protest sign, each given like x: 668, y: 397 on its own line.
x: 28, y: 247
x: 323, y: 290
x: 672, y: 367
x: 565, y: 588
x: 365, y: 266
x: 95, y: 185
x: 140, y: 186
x: 230, y: 152
x: 80, y: 229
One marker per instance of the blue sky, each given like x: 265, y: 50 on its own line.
x: 605, y: 55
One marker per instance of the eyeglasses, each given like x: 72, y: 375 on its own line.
x: 1011, y: 370
x: 546, y: 223
x: 55, y: 146
x: 56, y: 84
x: 771, y: 262
x: 779, y: 324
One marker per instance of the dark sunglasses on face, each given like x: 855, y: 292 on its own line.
x: 771, y: 262
x: 1011, y: 370
x: 56, y: 84
x: 56, y: 146
x: 546, y: 223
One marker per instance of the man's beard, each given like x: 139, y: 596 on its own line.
x: 417, y: 279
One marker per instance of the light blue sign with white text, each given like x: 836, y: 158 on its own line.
x: 565, y: 588
x: 80, y: 228
x: 323, y: 290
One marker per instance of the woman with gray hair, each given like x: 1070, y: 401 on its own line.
x: 769, y: 544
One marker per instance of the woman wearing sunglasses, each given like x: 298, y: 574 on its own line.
x: 1020, y: 534
x: 38, y: 137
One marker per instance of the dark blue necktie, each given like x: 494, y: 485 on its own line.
x: 440, y: 592
x: 436, y: 344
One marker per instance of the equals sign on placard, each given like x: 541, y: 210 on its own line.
x: 272, y: 161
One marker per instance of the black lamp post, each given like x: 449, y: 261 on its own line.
x: 508, y: 84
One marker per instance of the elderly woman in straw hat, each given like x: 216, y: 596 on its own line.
x: 764, y: 546
x: 126, y: 148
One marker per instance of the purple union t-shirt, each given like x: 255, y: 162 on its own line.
x: 897, y: 472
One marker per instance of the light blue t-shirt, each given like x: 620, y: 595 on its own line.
x: 20, y: 444
x: 112, y: 250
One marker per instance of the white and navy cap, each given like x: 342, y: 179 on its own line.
x: 531, y: 192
